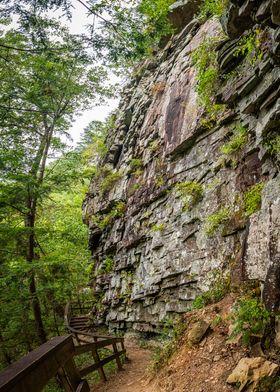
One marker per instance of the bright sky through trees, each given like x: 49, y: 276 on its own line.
x: 78, y: 24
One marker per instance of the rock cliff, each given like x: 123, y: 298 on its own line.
x: 187, y: 197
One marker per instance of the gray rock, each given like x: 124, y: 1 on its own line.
x: 197, y: 332
x: 182, y: 13
x: 275, y: 9
x: 159, y: 270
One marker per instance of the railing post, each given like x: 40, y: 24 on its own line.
x: 119, y: 364
x: 97, y: 361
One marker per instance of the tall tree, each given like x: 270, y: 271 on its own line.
x: 45, y: 82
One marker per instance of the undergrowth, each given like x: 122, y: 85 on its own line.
x: 217, y: 291
x: 170, y: 336
x: 250, y: 319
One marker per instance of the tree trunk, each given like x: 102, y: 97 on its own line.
x: 37, y: 173
x: 29, y: 224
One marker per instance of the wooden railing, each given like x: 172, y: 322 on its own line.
x: 80, y: 332
x: 91, y: 341
x: 32, y: 372
x: 56, y: 357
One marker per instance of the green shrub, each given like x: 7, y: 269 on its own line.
x: 212, y: 8
x: 253, y: 199
x: 135, y: 164
x: 107, y: 266
x: 107, y: 219
x: 272, y: 144
x: 205, y: 60
x: 217, y: 221
x: 191, y: 193
x: 236, y: 142
x: 250, y: 319
x: 110, y: 181
x: 218, y: 289
x: 251, y: 46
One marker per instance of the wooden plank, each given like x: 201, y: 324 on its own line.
x: 118, y: 360
x: 73, y: 374
x: 103, y: 362
x: 98, y: 363
x: 32, y: 372
x: 83, y: 387
x: 91, y: 346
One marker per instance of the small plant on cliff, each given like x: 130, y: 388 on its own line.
x: 108, y: 219
x: 272, y: 145
x: 218, y: 289
x: 159, y: 181
x: 212, y: 8
x: 107, y: 265
x: 253, y: 199
x: 135, y: 164
x: 205, y: 61
x: 154, y: 145
x: 217, y: 221
x: 191, y: 193
x: 250, y: 319
x: 109, y: 181
x: 158, y: 227
x: 236, y: 142
x: 251, y: 46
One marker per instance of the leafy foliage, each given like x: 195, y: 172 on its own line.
x: 236, y: 142
x: 250, y: 319
x: 126, y: 32
x: 205, y: 61
x: 253, y: 198
x: 212, y: 8
x: 191, y: 193
x: 46, y: 81
x: 251, y: 46
x: 217, y: 221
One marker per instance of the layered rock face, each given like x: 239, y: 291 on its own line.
x: 179, y: 213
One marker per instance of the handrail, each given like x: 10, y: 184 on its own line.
x: 104, y: 341
x: 56, y: 357
x: 76, y: 332
x: 32, y: 372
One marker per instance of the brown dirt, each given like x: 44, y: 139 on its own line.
x: 201, y: 368
x: 134, y: 377
x: 206, y: 366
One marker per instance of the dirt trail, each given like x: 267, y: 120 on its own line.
x: 134, y: 377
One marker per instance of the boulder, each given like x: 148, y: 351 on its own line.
x: 197, y: 332
x: 252, y: 371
